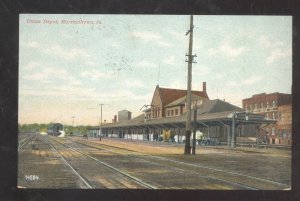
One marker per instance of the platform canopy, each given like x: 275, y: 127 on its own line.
x: 210, y: 113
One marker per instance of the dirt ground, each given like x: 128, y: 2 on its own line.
x: 162, y: 165
x: 269, y: 164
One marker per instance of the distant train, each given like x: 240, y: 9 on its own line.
x: 55, y: 129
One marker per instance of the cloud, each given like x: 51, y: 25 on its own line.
x: 232, y: 83
x: 32, y: 44
x: 115, y: 44
x: 94, y: 74
x: 226, y: 50
x: 49, y: 74
x: 147, y: 37
x: 178, y: 35
x: 278, y: 54
x: 60, y: 92
x: 251, y: 80
x: 201, y: 70
x: 219, y: 76
x: 146, y: 64
x: 266, y: 42
x: 176, y: 84
x: 66, y: 35
x: 91, y: 63
x: 277, y: 49
x: 32, y: 65
x: 67, y: 53
x: 134, y: 84
x: 170, y: 60
x: 247, y: 81
x: 36, y: 76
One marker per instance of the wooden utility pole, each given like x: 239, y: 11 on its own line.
x: 100, y: 129
x: 190, y: 60
x: 73, y: 117
x: 194, y: 130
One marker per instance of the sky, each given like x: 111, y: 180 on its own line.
x: 70, y: 64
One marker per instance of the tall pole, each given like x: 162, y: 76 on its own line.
x: 194, y: 131
x: 73, y: 125
x: 187, y: 148
x: 233, y: 131
x: 100, y: 121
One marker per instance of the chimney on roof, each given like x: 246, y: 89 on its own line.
x: 114, y: 120
x: 204, y: 87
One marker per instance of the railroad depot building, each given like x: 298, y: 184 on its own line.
x: 217, y: 120
x: 276, y: 106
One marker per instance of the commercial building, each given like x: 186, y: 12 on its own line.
x: 276, y: 106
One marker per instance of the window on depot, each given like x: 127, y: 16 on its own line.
x: 262, y: 105
x: 267, y: 104
x: 176, y: 111
x: 274, y: 103
x: 273, y: 115
x: 273, y: 130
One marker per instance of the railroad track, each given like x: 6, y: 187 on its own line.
x: 39, y: 166
x: 248, y: 178
x: 110, y: 167
x: 22, y: 142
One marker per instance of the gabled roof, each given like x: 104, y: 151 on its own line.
x: 210, y: 110
x: 169, y: 95
x: 217, y: 105
x: 208, y: 118
x: 181, y: 101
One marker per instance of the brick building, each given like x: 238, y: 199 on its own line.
x: 217, y: 120
x: 168, y: 102
x: 276, y: 106
x: 284, y: 124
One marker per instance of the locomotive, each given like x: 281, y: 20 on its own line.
x: 55, y: 129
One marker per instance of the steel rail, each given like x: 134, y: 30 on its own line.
x: 137, y: 180
x: 202, y: 166
x: 199, y: 175
x: 26, y: 139
x: 64, y: 160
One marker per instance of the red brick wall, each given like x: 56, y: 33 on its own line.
x: 283, y: 108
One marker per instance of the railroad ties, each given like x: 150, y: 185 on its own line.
x: 70, y: 162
